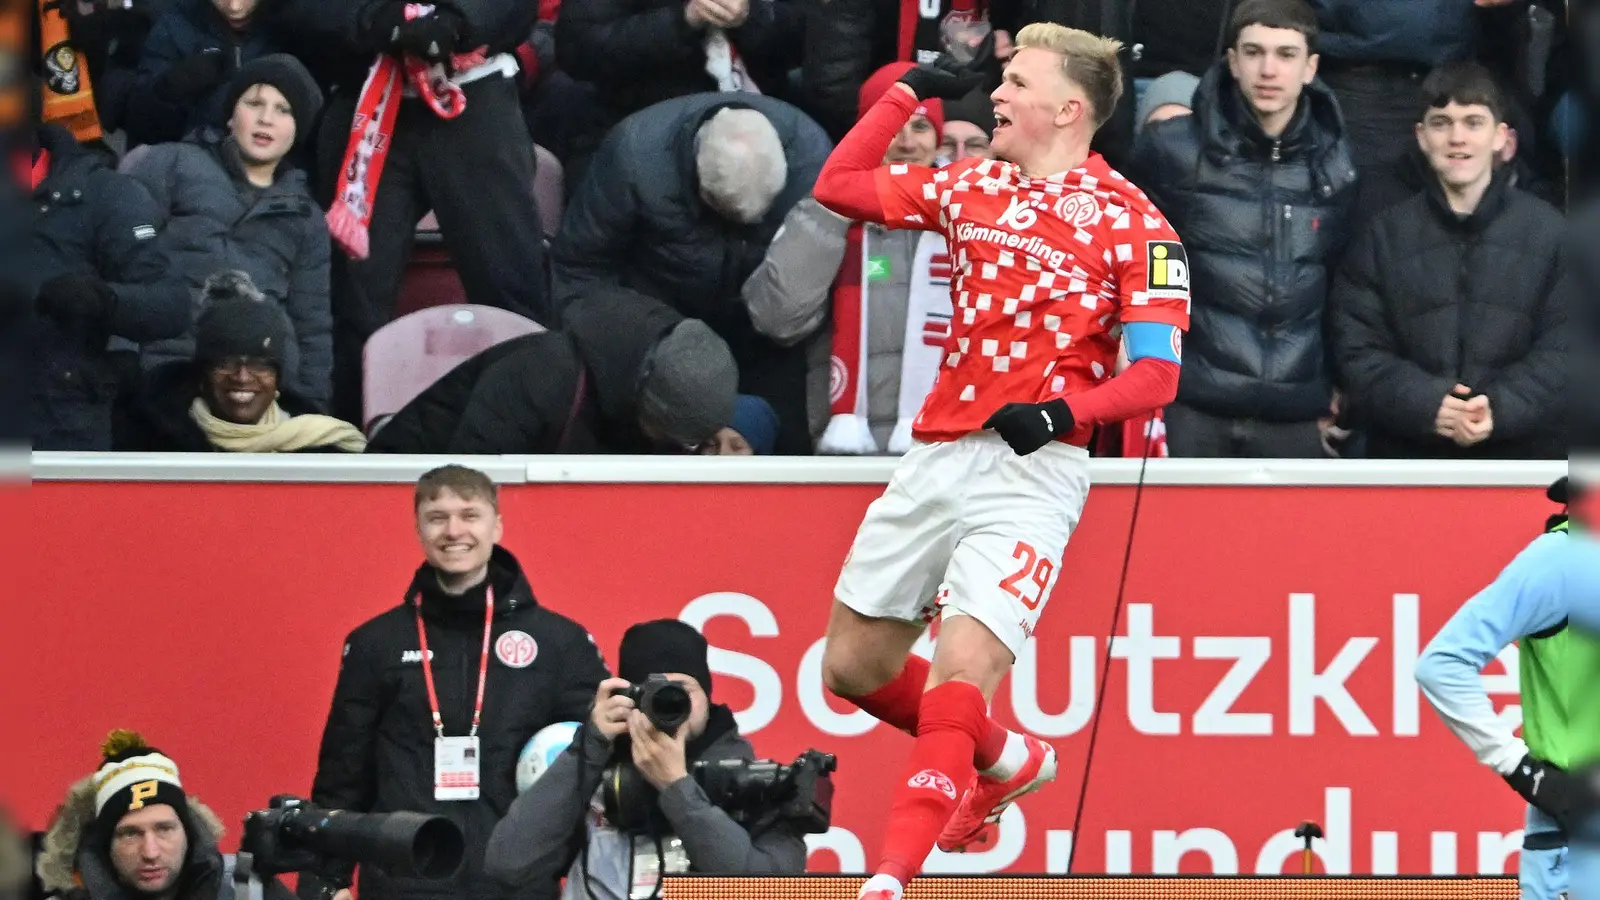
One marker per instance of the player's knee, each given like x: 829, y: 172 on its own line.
x: 847, y: 675
x: 969, y: 652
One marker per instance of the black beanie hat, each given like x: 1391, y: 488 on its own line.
x: 662, y: 646
x: 134, y: 775
x: 237, y: 321
x: 285, y: 73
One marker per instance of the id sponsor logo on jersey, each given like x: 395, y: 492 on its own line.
x: 516, y: 649
x: 1168, y: 269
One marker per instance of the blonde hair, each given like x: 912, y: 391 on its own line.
x: 1087, y: 60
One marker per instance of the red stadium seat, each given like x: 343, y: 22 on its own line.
x: 407, y: 355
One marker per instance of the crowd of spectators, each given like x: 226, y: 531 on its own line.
x: 1371, y: 201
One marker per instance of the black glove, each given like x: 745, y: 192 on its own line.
x: 946, y: 79
x: 192, y: 78
x: 432, y: 37
x: 76, y: 300
x: 1029, y: 426
x: 1546, y: 787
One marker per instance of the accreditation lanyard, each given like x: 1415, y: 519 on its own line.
x: 483, y: 665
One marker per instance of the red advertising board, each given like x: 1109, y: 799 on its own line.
x: 1261, y: 675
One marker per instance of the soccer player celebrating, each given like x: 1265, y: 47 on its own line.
x: 1056, y: 258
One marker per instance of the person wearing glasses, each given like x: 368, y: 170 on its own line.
x: 232, y: 396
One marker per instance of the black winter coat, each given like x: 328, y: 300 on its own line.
x: 568, y: 391
x: 90, y: 220
x: 1427, y: 299
x: 1262, y: 221
x: 377, y: 748
x: 337, y: 40
x: 640, y: 52
x: 190, y: 28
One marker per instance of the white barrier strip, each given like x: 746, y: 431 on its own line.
x: 332, y: 468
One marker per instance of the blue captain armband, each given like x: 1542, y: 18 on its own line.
x: 1153, y: 340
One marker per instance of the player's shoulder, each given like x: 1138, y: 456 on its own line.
x: 1121, y: 192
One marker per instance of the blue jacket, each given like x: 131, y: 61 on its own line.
x: 191, y: 27
x: 1421, y: 32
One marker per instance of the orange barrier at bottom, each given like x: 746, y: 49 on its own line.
x: 1102, y: 887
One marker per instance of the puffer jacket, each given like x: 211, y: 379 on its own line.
x: 572, y: 391
x: 1428, y: 299
x: 1263, y: 221
x: 91, y: 220
x: 277, y: 235
x: 75, y: 864
x: 1419, y: 32
x: 190, y: 28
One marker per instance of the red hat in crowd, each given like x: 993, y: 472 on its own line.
x: 883, y: 79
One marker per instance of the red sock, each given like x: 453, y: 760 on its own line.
x: 991, y: 743
x: 896, y: 703
x: 950, y: 721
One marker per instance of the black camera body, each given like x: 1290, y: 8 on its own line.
x: 749, y: 791
x: 663, y: 701
x: 294, y: 835
x: 800, y: 793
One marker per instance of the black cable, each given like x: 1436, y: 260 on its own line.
x: 1105, y: 666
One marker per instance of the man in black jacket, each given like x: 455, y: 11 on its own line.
x: 1258, y: 181
x: 625, y: 374
x: 681, y: 204
x: 1449, y: 314
x: 96, y: 272
x: 475, y: 171
x: 419, y: 697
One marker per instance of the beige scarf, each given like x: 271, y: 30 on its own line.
x: 277, y: 432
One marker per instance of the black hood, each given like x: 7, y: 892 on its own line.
x: 1489, y: 206
x: 68, y: 158
x: 511, y: 590
x: 614, y: 331
x: 1229, y: 131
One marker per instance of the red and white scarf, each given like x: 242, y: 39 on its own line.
x: 372, y: 131
x: 927, y: 325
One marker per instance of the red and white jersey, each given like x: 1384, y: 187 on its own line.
x: 1045, y: 272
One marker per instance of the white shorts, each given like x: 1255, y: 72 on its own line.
x: 968, y: 527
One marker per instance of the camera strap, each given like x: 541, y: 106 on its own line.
x: 483, y: 665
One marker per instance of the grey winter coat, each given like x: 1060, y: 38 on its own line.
x: 532, y: 846
x: 217, y: 220
x: 790, y: 297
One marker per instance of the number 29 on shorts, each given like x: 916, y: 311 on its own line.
x: 1036, y: 570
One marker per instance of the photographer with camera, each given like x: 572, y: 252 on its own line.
x: 129, y: 832
x: 655, y: 739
